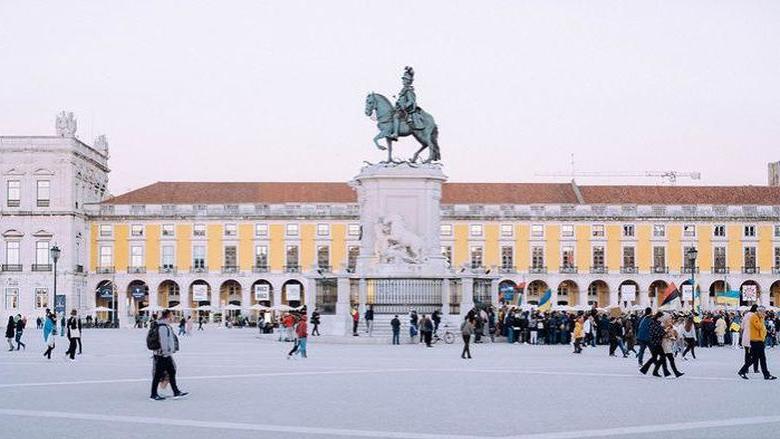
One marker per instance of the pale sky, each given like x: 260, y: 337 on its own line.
x: 275, y: 91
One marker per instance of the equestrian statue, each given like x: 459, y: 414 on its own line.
x: 404, y: 118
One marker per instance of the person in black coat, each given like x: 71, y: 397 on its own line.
x: 10, y: 332
x: 656, y: 350
x: 315, y: 321
x: 396, y: 325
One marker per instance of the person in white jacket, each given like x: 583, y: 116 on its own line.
x: 746, y: 336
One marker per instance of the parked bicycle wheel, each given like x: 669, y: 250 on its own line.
x: 449, y: 338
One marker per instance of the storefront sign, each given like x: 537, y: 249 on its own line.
x: 628, y: 293
x: 749, y: 293
x: 263, y: 292
x: 200, y: 293
x: 293, y: 292
x: 138, y: 293
x: 106, y: 292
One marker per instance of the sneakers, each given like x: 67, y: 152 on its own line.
x: 157, y: 398
x: 743, y: 376
x: 770, y: 377
x: 181, y: 395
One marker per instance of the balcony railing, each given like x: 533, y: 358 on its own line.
x: 41, y: 267
x: 720, y: 270
x: 12, y: 267
x: 751, y: 270
x: 775, y: 270
x: 537, y: 269
x: 105, y: 270
x: 292, y: 268
x: 166, y: 269
x: 628, y: 269
x: 659, y: 270
x: 260, y: 269
x: 689, y: 270
x: 506, y: 270
x: 324, y: 268
x: 600, y: 269
x: 199, y: 269
x: 227, y: 269
x: 136, y: 270
x: 78, y: 269
x: 42, y: 203
x: 567, y: 269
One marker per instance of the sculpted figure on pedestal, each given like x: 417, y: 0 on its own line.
x: 395, y: 243
x: 66, y: 124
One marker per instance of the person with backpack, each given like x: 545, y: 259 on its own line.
x: 315, y: 321
x: 162, y: 341
x: 301, y: 331
x: 74, y: 334
x: 49, y: 333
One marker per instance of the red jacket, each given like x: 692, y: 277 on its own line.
x: 301, y: 330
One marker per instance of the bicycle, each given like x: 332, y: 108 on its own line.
x: 448, y: 336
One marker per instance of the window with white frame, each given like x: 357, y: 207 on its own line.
x: 199, y: 257
x: 750, y: 231
x: 777, y: 231
x: 199, y: 230
x: 13, y: 193
x: 231, y: 230
x: 231, y: 256
x: 567, y: 257
x: 323, y: 257
x: 261, y: 256
x: 106, y: 230
x: 750, y: 257
x: 719, y: 231
x: 136, y: 256
x: 106, y: 256
x: 537, y: 258
x: 168, y: 257
x: 353, y: 230
x: 11, y: 298
x: 687, y: 263
x: 659, y: 257
x: 777, y: 258
x: 567, y: 231
x: 42, y: 256
x: 43, y: 193
x: 445, y: 230
x: 537, y: 231
x: 12, y: 253
x: 476, y: 230
x: 476, y: 257
x: 507, y: 231
x: 446, y: 251
x: 41, y: 298
x: 507, y: 258
x: 292, y: 229
x: 629, y: 257
x: 719, y: 258
x: 352, y: 254
x: 598, y: 257
x: 323, y: 230
x: 597, y: 230
x: 659, y: 230
x: 136, y: 230
x: 167, y: 231
x: 261, y: 230
x: 689, y: 231
x: 292, y: 256
x: 629, y: 231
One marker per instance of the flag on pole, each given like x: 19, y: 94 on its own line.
x: 545, y: 303
x: 728, y: 298
x: 670, y: 297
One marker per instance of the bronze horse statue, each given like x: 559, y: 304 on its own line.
x: 427, y: 134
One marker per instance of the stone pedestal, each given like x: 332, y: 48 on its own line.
x: 399, y: 212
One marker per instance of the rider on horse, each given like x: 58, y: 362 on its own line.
x: 406, y: 105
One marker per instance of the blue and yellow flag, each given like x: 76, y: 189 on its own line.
x: 545, y: 303
x: 729, y: 298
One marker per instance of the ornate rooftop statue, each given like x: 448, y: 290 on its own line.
x: 66, y: 125
x: 404, y: 118
x: 101, y: 144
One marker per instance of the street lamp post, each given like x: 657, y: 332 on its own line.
x: 692, y: 254
x: 55, y: 256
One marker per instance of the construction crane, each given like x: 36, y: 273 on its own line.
x: 669, y: 176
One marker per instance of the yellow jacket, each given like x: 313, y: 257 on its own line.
x: 757, y: 328
x: 578, y: 330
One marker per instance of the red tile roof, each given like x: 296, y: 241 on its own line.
x: 452, y: 193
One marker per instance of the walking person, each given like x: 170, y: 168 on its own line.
x: 396, y: 325
x: 315, y: 321
x: 369, y: 316
x: 467, y: 330
x: 689, y: 337
x: 667, y: 344
x: 302, y: 331
x: 10, y: 331
x: 163, y: 342
x: 74, y: 334
x: 757, y: 329
x: 49, y: 333
x: 579, y: 334
x: 654, y: 343
x: 355, y: 321
x: 200, y: 323
x: 426, y: 330
x: 643, y: 334
x: 62, y: 324
x: 21, y: 323
x: 412, y: 326
x: 182, y: 326
x: 745, y: 338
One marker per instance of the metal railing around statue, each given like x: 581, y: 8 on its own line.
x: 398, y: 296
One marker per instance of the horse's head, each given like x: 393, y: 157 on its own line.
x: 370, y: 104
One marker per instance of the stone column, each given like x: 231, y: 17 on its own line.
x: 277, y: 293
x: 445, y: 298
x: 363, y: 297
x: 246, y: 299
x: 613, y: 297
x: 582, y: 296
x: 122, y: 308
x: 153, y: 299
x: 467, y: 295
x: 342, y: 300
x: 494, y: 292
x: 213, y: 300
x: 310, y: 294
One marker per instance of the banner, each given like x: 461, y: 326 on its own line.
x: 293, y: 292
x: 106, y: 292
x: 506, y: 291
x: 628, y: 293
x: 728, y: 298
x: 200, y: 293
x: 59, y: 303
x: 749, y: 293
x: 138, y: 293
x: 687, y: 292
x: 263, y: 292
